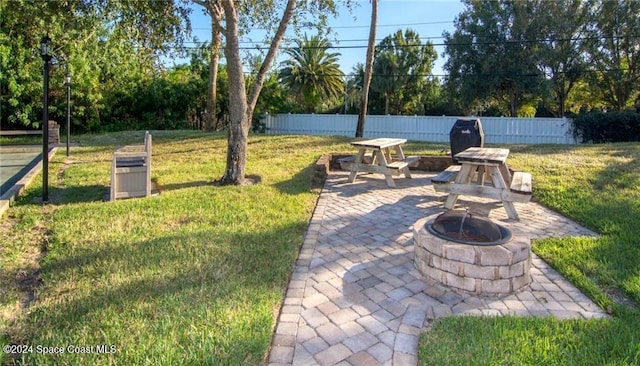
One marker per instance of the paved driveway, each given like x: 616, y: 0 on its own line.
x: 15, y: 161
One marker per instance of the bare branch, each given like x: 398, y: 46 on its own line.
x: 214, y: 8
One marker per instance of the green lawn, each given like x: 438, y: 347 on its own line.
x: 598, y: 186
x: 194, y: 275
x: 197, y: 274
x: 21, y: 140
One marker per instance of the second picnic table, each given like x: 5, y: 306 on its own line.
x: 383, y: 159
x: 490, y: 162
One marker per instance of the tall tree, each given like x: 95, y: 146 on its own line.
x: 214, y: 9
x: 238, y: 16
x: 491, y: 56
x: 368, y: 69
x: 614, y: 51
x: 312, y: 72
x: 241, y: 107
x: 560, y: 47
x: 400, y: 71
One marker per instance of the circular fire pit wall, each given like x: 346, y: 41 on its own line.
x: 497, y: 267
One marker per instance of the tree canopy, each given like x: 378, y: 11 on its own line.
x: 516, y: 53
x: 614, y: 51
x: 490, y: 56
x: 504, y: 57
x: 401, y: 72
x: 108, y: 46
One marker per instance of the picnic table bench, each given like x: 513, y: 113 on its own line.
x: 20, y: 132
x: 383, y: 159
x: 490, y: 165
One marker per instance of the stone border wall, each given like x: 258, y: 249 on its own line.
x: 330, y: 162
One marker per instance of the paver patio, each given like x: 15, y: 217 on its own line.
x: 355, y: 297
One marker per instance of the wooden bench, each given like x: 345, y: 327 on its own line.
x: 346, y: 163
x: 394, y: 168
x: 446, y: 176
x: 131, y: 171
x: 521, y: 183
x: 519, y: 190
x: 401, y: 164
x: 352, y: 158
x: 348, y: 159
x: 20, y: 132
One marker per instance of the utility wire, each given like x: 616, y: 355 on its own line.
x: 257, y: 47
x: 337, y: 41
x: 312, y: 26
x: 352, y: 75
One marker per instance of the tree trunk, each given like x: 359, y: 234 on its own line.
x: 238, y: 124
x: 386, y: 103
x: 215, y: 12
x: 561, y: 103
x: 368, y: 70
x: 513, y: 105
x: 241, y: 108
x: 271, y: 55
x: 212, y: 96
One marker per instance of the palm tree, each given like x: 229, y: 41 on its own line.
x: 311, y: 72
x: 371, y: 47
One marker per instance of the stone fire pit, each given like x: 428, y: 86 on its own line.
x: 484, y: 269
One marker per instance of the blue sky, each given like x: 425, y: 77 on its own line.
x: 428, y: 18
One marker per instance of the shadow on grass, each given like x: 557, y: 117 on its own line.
x: 607, y: 202
x: 319, y: 142
x: 299, y: 183
x: 619, y: 175
x: 184, y: 185
x: 83, y: 194
x: 161, y: 287
x: 603, y: 196
x: 65, y: 195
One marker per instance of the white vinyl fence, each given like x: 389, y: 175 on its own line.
x: 497, y: 130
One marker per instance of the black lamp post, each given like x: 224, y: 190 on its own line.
x: 67, y: 82
x: 45, y: 52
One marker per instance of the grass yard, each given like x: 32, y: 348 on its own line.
x: 21, y: 140
x: 197, y: 274
x: 599, y: 187
x: 194, y: 275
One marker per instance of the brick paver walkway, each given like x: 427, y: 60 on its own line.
x: 355, y: 297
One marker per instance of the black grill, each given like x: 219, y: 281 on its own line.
x: 465, y: 133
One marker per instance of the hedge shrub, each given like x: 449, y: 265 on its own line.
x: 600, y: 127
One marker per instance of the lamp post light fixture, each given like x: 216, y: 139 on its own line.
x: 45, y: 52
x: 67, y: 82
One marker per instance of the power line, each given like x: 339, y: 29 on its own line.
x: 483, y: 75
x: 337, y: 41
x: 311, y: 26
x: 395, y: 25
x: 257, y: 47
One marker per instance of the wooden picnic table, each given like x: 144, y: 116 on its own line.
x: 493, y: 179
x: 387, y: 158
